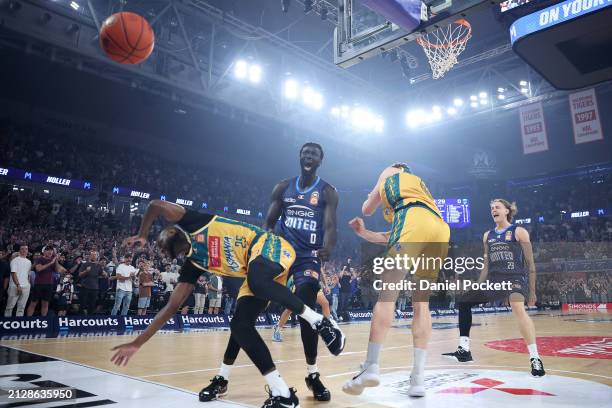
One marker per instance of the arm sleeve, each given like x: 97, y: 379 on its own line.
x: 189, y: 273
x: 193, y: 220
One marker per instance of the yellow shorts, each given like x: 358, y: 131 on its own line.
x: 275, y: 249
x: 418, y: 232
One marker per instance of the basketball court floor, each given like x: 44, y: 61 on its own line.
x: 172, y: 367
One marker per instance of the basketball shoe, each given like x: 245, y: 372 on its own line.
x: 461, y: 355
x: 216, y: 389
x: 331, y: 334
x: 537, y: 368
x: 368, y: 377
x: 281, y: 402
x: 277, y: 336
x: 314, y: 384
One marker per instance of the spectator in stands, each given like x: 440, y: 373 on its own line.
x: 345, y: 290
x: 215, y: 286
x: 44, y: 285
x: 334, y: 287
x: 65, y: 292
x: 200, y: 295
x: 19, y: 284
x: 124, y: 274
x: 5, y: 275
x: 89, y: 272
x: 145, y: 282
x: 170, y: 279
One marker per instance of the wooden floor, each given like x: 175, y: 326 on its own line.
x: 189, y: 360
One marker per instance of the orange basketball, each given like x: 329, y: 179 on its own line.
x: 127, y: 38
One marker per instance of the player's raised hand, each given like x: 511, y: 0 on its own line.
x: 357, y: 224
x: 135, y: 241
x: 124, y: 353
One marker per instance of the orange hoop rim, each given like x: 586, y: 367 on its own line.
x: 425, y: 43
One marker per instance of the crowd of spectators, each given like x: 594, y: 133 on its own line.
x: 69, y: 257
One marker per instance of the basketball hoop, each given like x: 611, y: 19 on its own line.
x: 443, y: 45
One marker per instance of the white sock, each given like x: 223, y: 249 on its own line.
x: 533, y: 350
x: 418, y: 366
x: 464, y: 343
x: 277, y: 384
x: 373, y: 353
x: 224, y: 371
x: 311, y: 316
x: 312, y: 368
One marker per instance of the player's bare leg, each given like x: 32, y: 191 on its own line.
x: 527, y: 330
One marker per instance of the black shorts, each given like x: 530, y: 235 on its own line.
x: 42, y: 292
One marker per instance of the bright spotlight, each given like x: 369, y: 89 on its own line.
x: 74, y: 5
x: 501, y: 97
x: 435, y: 109
x: 241, y: 69
x: 335, y: 111
x: 524, y: 91
x: 500, y: 90
x: 291, y: 89
x: 473, y: 98
x: 255, y: 73
x: 415, y: 118
x: 308, y: 96
x: 458, y: 102
x: 379, y: 125
x: 523, y: 83
x: 474, y: 104
x: 484, y: 101
x: 317, y: 101
x: 451, y: 111
x: 482, y: 95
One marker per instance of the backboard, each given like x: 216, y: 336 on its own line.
x: 363, y: 33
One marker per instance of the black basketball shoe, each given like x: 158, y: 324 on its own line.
x: 281, y: 402
x: 331, y: 334
x: 537, y: 367
x: 314, y: 384
x: 215, y: 390
x: 461, y: 355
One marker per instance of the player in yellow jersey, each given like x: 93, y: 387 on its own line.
x: 230, y: 248
x: 417, y: 230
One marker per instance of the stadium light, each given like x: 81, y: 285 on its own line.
x: 75, y: 5
x: 335, y: 111
x: 524, y: 91
x: 458, y: 102
x: 255, y: 73
x: 473, y: 98
x: 379, y: 124
x: 291, y: 89
x: 483, y: 95
x: 484, y: 101
x: 451, y: 111
x: 474, y: 105
x: 241, y: 69
x: 523, y: 83
x: 501, y: 97
x: 501, y: 90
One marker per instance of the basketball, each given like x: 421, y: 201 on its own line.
x: 127, y: 38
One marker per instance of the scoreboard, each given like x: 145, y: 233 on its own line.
x: 455, y: 211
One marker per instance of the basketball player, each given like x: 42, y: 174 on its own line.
x: 305, y: 209
x: 508, y: 257
x: 417, y: 228
x: 231, y: 248
x: 322, y: 301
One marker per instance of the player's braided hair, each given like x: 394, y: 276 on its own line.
x: 510, y: 206
x: 312, y: 144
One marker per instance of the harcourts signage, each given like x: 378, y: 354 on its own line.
x: 30, y: 325
x: 142, y: 322
x: 204, y: 321
x: 360, y: 315
x: 89, y: 323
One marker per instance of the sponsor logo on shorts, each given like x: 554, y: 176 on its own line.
x: 214, y: 253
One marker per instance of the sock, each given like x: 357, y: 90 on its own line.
x: 464, y: 343
x: 311, y: 316
x: 224, y: 371
x: 312, y: 368
x: 373, y: 353
x: 418, y: 366
x: 533, y: 350
x: 277, y: 384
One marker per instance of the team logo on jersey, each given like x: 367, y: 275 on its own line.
x: 509, y: 236
x: 301, y: 197
x: 199, y: 238
x: 286, y: 253
x: 314, y: 198
x: 214, y: 253
x: 230, y: 259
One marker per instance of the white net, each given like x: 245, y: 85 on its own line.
x: 444, y: 45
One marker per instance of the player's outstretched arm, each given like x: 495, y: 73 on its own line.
x: 170, y: 211
x: 358, y: 226
x: 522, y: 236
x: 276, y: 205
x: 125, y: 351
